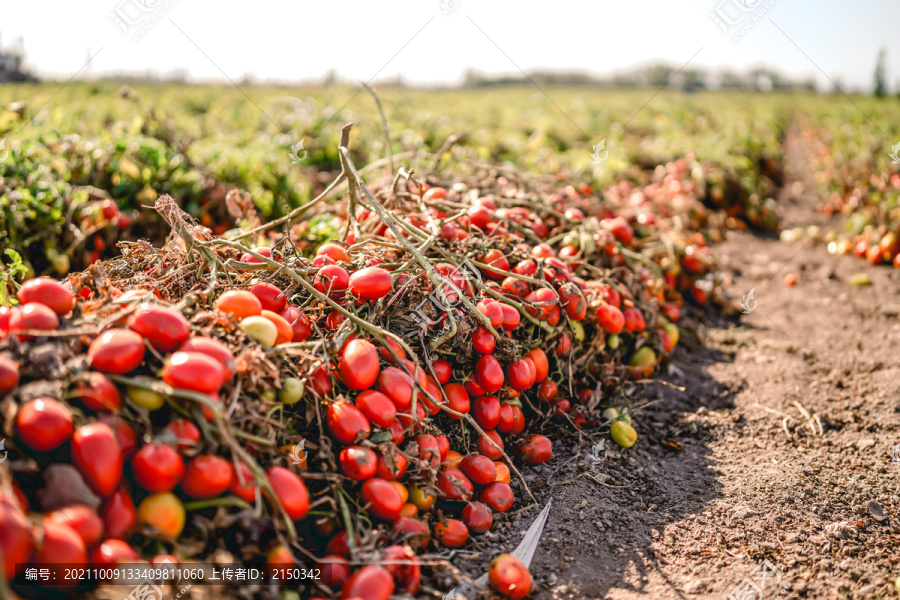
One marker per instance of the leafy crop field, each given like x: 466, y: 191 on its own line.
x: 236, y: 329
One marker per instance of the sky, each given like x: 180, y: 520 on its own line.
x: 435, y: 41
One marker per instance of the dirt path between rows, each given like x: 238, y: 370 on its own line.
x: 787, y: 424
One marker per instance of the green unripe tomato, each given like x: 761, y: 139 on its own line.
x: 291, y: 390
x: 613, y: 341
x: 145, y: 398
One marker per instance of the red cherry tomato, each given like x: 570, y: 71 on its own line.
x: 451, y: 534
x: 429, y: 449
x: 510, y: 416
x: 334, y: 252
x: 44, y: 424
x: 489, y: 374
x: 382, y: 498
x: 299, y: 323
x: 270, y: 297
x: 477, y: 517
x: 486, y: 411
x: 119, y: 514
x: 290, y: 491
x: 511, y: 317
x: 634, y: 320
x: 492, y: 310
x: 508, y: 576
x: 396, y: 385
x: 16, y: 541
x: 610, y: 318
x: 391, y: 465
x: 61, y: 544
x: 359, y: 365
x: 377, y: 407
x: 487, y: 449
x: 479, y: 469
x: 541, y: 364
x: 536, y: 450
x: 358, y: 462
x: 184, y: 433
x: 442, y: 370
x: 49, y: 292
x: 520, y: 375
x: 371, y: 582
x: 32, y: 317
x: 547, y: 390
x: 443, y: 446
x: 212, y: 348
x: 244, y: 485
x: 96, y: 454
x: 116, y: 351
x: 347, y: 423
x: 498, y: 496
x: 482, y: 340
x: 9, y: 375
x: 331, y: 280
x: 112, y: 552
x: 157, y: 468
x: 454, y: 484
x: 165, y: 328
x: 194, y: 371
x: 125, y: 436
x: 402, y: 564
x: 207, y: 476
x: 573, y: 301
x: 457, y: 399
x: 83, y: 519
x: 370, y: 283
x: 99, y: 394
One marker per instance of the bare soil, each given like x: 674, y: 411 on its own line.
x: 786, y: 428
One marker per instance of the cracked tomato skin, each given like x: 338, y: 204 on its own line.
x: 508, y: 576
x: 403, y: 567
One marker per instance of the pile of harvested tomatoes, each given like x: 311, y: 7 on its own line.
x: 359, y: 408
